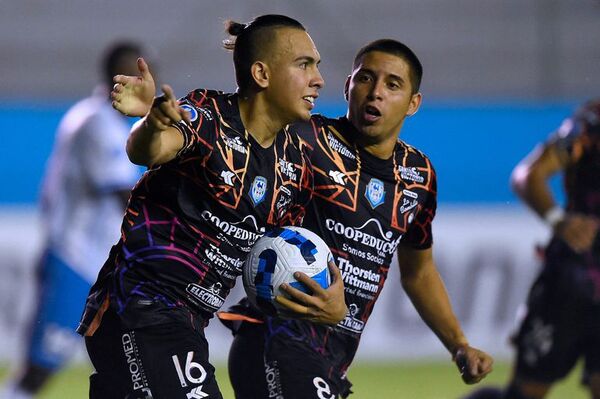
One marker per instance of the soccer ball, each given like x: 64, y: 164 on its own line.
x: 274, y: 259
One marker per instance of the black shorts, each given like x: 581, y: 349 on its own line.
x: 276, y: 366
x: 562, y: 323
x: 165, y: 361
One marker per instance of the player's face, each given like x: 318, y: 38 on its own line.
x: 379, y: 94
x: 295, y: 78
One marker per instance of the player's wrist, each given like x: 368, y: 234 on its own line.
x: 455, y: 347
x: 554, y: 216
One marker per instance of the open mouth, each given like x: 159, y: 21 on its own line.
x: 371, y: 113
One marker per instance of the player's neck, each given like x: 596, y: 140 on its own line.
x: 383, y: 150
x: 258, y: 121
x: 380, y: 147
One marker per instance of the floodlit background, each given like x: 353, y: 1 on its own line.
x: 499, y: 76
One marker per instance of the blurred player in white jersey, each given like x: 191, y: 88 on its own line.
x: 85, y: 189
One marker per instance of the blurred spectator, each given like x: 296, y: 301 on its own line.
x: 85, y: 189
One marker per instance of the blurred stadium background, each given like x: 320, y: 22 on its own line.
x: 499, y: 76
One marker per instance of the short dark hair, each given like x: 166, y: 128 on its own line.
x: 114, y: 57
x: 250, y: 41
x: 401, y: 50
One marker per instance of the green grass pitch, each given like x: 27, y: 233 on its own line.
x: 410, y: 380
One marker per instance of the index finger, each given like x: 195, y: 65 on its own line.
x: 170, y: 95
x: 336, y: 274
x: 313, y: 286
x: 144, y: 69
x: 296, y: 294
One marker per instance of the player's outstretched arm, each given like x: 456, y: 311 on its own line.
x: 133, y: 95
x: 324, y: 306
x: 153, y: 139
x: 425, y: 288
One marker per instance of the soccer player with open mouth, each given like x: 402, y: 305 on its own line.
x: 374, y: 196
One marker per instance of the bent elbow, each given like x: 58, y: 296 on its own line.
x: 135, y: 156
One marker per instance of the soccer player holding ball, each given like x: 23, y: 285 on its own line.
x: 214, y: 185
x: 374, y: 196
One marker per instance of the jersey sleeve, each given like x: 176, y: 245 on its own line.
x: 419, y: 234
x: 200, y: 134
x: 103, y: 156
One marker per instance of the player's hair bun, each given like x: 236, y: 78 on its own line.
x: 234, y: 28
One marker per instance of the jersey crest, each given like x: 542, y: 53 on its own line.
x: 258, y: 190
x: 375, y: 193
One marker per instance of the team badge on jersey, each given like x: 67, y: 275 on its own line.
x: 191, y: 110
x: 258, y: 190
x: 375, y: 193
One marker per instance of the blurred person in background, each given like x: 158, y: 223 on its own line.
x: 374, y: 198
x: 562, y: 320
x: 87, y: 182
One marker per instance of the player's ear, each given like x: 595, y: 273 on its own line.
x: 415, y: 103
x: 347, y: 87
x: 260, y: 74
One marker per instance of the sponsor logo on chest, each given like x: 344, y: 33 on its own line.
x: 408, y: 204
x: 288, y: 169
x: 338, y: 147
x: 235, y: 143
x: 384, y: 245
x: 283, y: 202
x: 236, y: 229
x: 411, y: 173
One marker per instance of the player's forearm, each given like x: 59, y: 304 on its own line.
x: 430, y: 298
x: 532, y: 187
x: 144, y: 143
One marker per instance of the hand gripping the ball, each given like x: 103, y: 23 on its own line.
x: 324, y: 306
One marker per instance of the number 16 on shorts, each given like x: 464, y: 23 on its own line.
x: 191, y: 372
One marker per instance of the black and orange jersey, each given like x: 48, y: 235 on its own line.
x: 364, y: 207
x: 190, y: 222
x: 579, y: 138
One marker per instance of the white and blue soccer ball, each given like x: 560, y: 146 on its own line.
x: 275, y: 258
